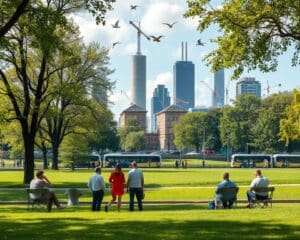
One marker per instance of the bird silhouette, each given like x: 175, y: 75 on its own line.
x: 199, y: 43
x: 115, y: 43
x: 133, y: 7
x: 116, y: 25
x: 170, y: 25
x: 156, y: 39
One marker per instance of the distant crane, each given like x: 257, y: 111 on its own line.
x: 128, y: 98
x: 139, y: 32
x: 267, y: 89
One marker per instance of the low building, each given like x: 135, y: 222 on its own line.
x: 134, y: 112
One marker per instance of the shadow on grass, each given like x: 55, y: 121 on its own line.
x: 108, y: 227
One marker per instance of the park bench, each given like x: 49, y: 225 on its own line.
x: 40, y: 201
x: 226, y: 191
x: 264, y: 202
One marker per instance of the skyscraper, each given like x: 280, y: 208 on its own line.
x: 248, y: 85
x: 160, y: 100
x: 218, y: 89
x: 184, y: 81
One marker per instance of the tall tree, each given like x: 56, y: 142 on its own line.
x: 252, y: 33
x: 135, y: 141
x: 238, y: 121
x: 290, y: 126
x: 267, y: 129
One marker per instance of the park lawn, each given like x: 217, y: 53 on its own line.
x: 155, y: 222
x: 159, y: 177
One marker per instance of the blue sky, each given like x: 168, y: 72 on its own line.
x: 161, y: 56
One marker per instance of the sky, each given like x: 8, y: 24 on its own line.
x: 161, y: 56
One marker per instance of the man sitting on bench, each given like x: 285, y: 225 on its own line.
x: 229, y: 198
x: 257, y: 182
x: 40, y: 182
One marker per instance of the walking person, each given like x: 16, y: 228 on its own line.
x: 97, y: 186
x: 117, y: 181
x: 135, y: 186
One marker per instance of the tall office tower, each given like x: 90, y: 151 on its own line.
x: 184, y: 81
x: 248, y: 85
x: 218, y: 89
x: 160, y: 100
x: 139, y: 74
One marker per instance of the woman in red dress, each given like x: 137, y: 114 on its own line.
x: 117, y: 182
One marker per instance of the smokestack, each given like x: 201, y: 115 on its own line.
x: 182, y: 52
x: 186, y: 51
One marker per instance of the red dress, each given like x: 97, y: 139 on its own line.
x: 117, y: 181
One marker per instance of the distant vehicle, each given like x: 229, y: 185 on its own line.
x: 193, y: 153
x: 286, y: 160
x: 175, y: 152
x: 251, y: 160
x: 143, y: 160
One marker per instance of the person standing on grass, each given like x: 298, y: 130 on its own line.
x: 258, y: 181
x: 97, y: 186
x: 42, y: 182
x: 135, y: 186
x: 117, y: 181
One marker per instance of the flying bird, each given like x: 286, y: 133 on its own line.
x: 170, y: 25
x: 116, y: 25
x: 115, y: 43
x: 156, y: 39
x: 199, y: 43
x: 133, y: 7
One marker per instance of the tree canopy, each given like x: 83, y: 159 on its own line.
x: 252, y: 33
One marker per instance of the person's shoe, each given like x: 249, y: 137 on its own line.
x: 106, y: 208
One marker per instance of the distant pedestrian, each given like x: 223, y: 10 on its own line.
x: 117, y: 181
x: 135, y: 186
x: 97, y: 186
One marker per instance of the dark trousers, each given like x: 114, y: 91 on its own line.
x: 51, y: 198
x: 97, y: 200
x: 138, y: 192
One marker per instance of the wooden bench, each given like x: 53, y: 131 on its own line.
x: 226, y: 191
x: 37, y: 202
x: 264, y: 202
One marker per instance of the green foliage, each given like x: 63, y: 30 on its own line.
x: 238, y: 121
x: 252, y: 33
x: 190, y: 129
x: 290, y: 126
x: 135, y: 141
x: 266, y: 131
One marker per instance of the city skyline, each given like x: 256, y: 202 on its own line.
x: 162, y: 55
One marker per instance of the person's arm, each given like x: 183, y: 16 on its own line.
x: 253, y: 184
x: 142, y: 181
x: 47, y: 182
x: 128, y: 182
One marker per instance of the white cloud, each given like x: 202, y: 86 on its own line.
x: 159, y: 12
x: 204, y: 92
x: 120, y: 101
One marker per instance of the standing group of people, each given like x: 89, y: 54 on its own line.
x: 228, y: 199
x: 134, y: 185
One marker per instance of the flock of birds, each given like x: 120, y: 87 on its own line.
x: 154, y: 38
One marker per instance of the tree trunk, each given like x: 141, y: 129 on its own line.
x: 29, y: 159
x: 45, y: 160
x: 54, y: 156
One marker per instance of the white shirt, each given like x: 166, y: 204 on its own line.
x: 96, y: 182
x: 135, y: 177
x: 260, y: 182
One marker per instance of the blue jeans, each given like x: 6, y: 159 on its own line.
x: 97, y: 200
x: 138, y: 192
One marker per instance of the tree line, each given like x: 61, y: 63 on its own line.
x: 250, y: 124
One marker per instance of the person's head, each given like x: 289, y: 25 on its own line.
x: 258, y: 173
x: 39, y: 174
x: 118, y: 168
x: 226, y: 176
x: 134, y: 164
x: 98, y: 170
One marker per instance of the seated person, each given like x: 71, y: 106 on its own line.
x: 229, y: 198
x: 41, y: 182
x: 258, y: 181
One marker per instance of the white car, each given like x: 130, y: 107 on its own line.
x: 193, y: 153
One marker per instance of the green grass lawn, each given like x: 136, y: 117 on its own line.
x: 155, y: 222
